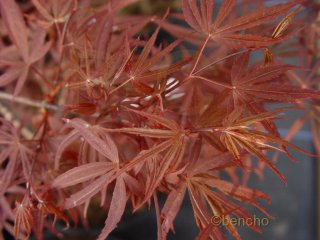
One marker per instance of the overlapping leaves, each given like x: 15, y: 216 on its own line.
x: 18, y: 70
x: 13, y: 151
x: 228, y: 31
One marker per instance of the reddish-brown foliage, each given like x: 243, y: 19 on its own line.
x: 89, y: 105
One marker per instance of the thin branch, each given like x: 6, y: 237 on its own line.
x: 200, y: 54
x: 211, y: 81
x: 220, y: 60
x: 25, y: 132
x: 121, y: 85
x: 28, y: 102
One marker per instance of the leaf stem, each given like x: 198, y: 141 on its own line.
x: 221, y: 59
x: 158, y: 214
x: 121, y: 85
x: 28, y: 102
x: 213, y: 82
x: 200, y: 54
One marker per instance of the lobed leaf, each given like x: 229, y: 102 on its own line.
x: 238, y: 191
x: 88, y: 192
x: 16, y: 26
x: 161, y: 120
x: 171, y: 209
x: 280, y: 93
x: 145, y: 132
x: 226, y: 7
x: 116, y: 210
x: 105, y: 146
x: 192, y: 15
x: 81, y: 174
x: 257, y: 17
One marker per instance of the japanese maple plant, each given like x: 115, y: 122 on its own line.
x: 95, y: 106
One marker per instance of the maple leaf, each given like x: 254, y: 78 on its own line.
x: 305, y: 81
x: 206, y: 189
x: 101, y: 173
x: 116, y: 210
x: 54, y: 12
x: 174, y: 147
x: 23, y: 220
x: 7, y: 213
x: 82, y: 173
x: 171, y: 209
x: 143, y: 120
x: 203, y: 189
x: 103, y: 144
x: 262, y: 83
x: 46, y: 207
x: 140, y: 68
x: 18, y: 32
x: 16, y: 153
x: 278, y: 32
x: 238, y: 133
x: 98, y: 63
x: 223, y: 30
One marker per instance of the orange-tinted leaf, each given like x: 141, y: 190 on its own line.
x: 283, y: 25
x: 23, y: 221
x: 240, y: 192
x: 49, y: 208
x: 171, y: 209
x: 173, y: 156
x: 155, y: 133
x: 253, y: 150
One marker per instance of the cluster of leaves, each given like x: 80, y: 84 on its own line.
x: 129, y: 116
